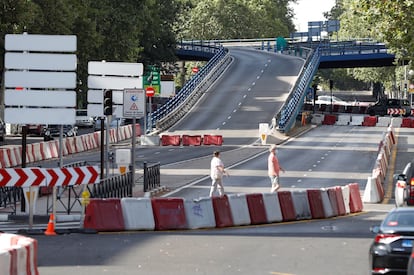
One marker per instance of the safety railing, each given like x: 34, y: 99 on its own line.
x: 286, y: 117
x: 152, y: 176
x: 10, y: 197
x: 175, y: 108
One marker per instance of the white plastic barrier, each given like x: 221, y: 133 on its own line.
x: 317, y: 118
x: 18, y: 255
x: 239, y: 209
x: 327, y: 206
x: 150, y: 140
x: 137, y: 213
x: 346, y: 195
x: 396, y: 122
x: 357, y: 120
x: 383, y: 121
x: 371, y: 193
x: 343, y: 119
x: 301, y: 203
x: 200, y: 213
x: 272, y: 206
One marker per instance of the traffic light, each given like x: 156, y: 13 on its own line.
x: 331, y: 84
x: 107, y: 104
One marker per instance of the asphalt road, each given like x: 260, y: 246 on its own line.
x: 257, y: 84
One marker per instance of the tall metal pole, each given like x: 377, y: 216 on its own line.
x: 102, y: 147
x: 108, y: 124
x: 133, y: 142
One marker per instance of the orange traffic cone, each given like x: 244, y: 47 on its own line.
x: 50, y: 231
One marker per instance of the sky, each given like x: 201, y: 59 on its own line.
x: 310, y: 10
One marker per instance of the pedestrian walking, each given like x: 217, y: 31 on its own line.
x: 216, y: 172
x: 274, y: 168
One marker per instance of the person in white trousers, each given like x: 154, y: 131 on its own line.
x: 216, y: 172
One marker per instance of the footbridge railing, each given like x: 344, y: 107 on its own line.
x: 286, y: 117
x: 180, y: 104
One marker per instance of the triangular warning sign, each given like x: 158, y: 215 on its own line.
x: 134, y: 107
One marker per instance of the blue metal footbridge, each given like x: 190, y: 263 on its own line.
x: 343, y: 54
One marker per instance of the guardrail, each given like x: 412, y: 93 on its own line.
x: 286, y: 117
x: 179, y: 105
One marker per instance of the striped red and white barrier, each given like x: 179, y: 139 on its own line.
x: 18, y: 255
x: 26, y: 177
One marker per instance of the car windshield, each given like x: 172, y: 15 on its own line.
x: 399, y: 219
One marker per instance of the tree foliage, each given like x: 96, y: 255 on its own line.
x: 384, y: 21
x: 220, y: 19
x: 142, y: 30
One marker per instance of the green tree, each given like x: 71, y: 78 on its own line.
x: 220, y: 19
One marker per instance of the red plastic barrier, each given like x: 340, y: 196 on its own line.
x: 333, y: 200
x: 329, y: 120
x: 170, y: 140
x: 212, y: 140
x: 169, y: 213
x: 138, y: 129
x: 104, y: 215
x: 406, y: 122
x: 369, y: 121
x: 340, y: 200
x: 191, y: 140
x: 355, y: 202
x: 257, y: 208
x: 222, y: 211
x: 287, y: 206
x: 315, y: 203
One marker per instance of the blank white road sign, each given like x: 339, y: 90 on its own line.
x: 40, y: 79
x: 37, y: 98
x: 115, y: 68
x: 113, y: 82
x: 57, y: 116
x: 40, y: 61
x: 40, y: 43
x: 37, y: 79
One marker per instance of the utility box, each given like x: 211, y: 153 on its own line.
x: 123, y: 159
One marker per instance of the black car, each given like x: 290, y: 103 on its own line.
x: 381, y: 107
x: 391, y: 249
x: 52, y: 131
x: 410, y: 267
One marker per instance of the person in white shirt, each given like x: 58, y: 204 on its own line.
x: 217, y: 172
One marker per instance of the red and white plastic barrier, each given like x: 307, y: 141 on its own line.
x: 18, y: 255
x: 374, y: 191
x: 225, y: 211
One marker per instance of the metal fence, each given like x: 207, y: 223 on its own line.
x: 10, y: 197
x: 152, y: 176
